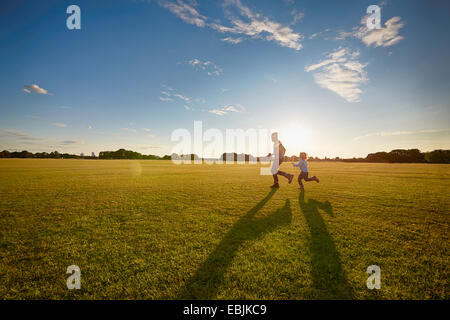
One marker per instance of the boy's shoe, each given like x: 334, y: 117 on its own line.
x: 275, y: 185
x: 290, y: 178
x: 317, y: 180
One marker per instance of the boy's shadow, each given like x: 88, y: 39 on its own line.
x: 329, y: 278
x: 210, y: 275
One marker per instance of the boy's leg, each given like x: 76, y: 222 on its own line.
x: 300, y: 181
x: 305, y: 176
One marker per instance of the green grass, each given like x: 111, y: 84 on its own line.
x: 154, y: 230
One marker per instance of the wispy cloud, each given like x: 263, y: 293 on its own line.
x: 385, y: 37
x: 232, y: 40
x: 207, y: 66
x: 180, y: 96
x: 248, y: 23
x: 297, y: 15
x: 22, y: 140
x: 341, y: 73
x: 61, y: 125
x: 71, y: 142
x: 18, y: 135
x: 129, y: 130
x: 65, y: 107
x: 170, y: 94
x: 35, y: 88
x: 259, y: 27
x: 184, y: 11
x: 225, y: 110
x: 400, y: 133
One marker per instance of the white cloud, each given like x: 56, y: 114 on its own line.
x: 147, y: 129
x: 171, y: 93
x: 179, y: 96
x: 129, y: 130
x: 225, y: 110
x: 184, y: 11
x: 232, y: 40
x: 260, y: 27
x: 61, y: 125
x: 385, y: 37
x: 255, y: 26
x: 207, y: 66
x: 89, y: 127
x: 35, y: 88
x: 341, y: 73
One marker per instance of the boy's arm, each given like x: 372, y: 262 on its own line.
x: 296, y: 164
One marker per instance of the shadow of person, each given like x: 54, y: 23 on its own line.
x: 209, y: 276
x: 329, y: 278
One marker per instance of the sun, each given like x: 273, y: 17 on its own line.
x: 295, y: 138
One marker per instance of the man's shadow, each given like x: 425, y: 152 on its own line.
x: 329, y: 278
x: 210, y: 275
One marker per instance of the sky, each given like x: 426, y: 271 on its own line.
x: 138, y: 70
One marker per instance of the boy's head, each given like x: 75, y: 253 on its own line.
x: 303, y: 155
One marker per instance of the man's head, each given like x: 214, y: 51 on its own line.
x: 274, y: 136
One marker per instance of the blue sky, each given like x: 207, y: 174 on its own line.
x: 137, y: 70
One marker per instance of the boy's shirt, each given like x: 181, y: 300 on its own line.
x: 303, y: 165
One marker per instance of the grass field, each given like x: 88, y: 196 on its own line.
x: 154, y: 230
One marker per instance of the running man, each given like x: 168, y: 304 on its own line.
x: 278, y: 158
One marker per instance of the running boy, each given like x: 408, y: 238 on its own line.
x: 303, y: 165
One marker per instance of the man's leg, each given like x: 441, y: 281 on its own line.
x: 275, y: 179
x: 284, y: 174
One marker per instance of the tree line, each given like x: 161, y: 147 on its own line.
x: 394, y: 156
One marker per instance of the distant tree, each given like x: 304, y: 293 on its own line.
x: 437, y: 156
x: 378, y: 157
x: 5, y: 154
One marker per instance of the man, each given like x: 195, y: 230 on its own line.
x: 278, y: 158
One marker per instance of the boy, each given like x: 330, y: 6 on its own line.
x: 303, y: 165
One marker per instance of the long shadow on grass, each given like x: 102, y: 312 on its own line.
x: 329, y: 278
x: 209, y: 276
